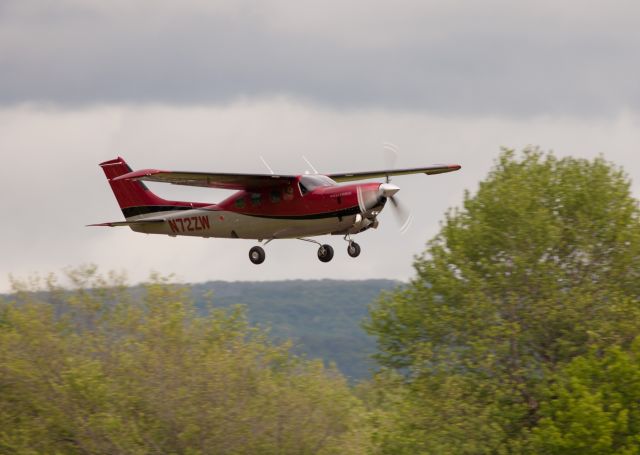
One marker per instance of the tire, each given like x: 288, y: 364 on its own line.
x: 353, y: 250
x: 256, y: 255
x: 325, y: 253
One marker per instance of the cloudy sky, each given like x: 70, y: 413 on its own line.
x: 213, y: 85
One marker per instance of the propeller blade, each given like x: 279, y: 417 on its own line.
x: 390, y: 152
x: 388, y: 190
x: 403, y: 215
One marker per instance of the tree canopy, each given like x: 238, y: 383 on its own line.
x: 93, y: 370
x: 540, y: 265
x: 592, y: 407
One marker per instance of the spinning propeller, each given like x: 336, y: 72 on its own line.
x: 402, y: 214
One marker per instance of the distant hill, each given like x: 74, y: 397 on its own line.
x: 322, y: 317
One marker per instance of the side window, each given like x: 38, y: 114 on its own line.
x: 303, y: 189
x: 275, y: 195
x: 287, y: 195
x: 256, y: 199
x: 240, y: 202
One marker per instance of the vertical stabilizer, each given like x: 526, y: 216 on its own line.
x: 134, y: 197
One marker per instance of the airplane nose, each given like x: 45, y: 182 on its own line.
x: 388, y: 189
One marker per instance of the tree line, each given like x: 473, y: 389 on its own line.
x: 518, y: 334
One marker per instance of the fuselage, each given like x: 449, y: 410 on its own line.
x: 312, y: 205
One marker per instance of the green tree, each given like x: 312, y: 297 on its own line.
x: 540, y: 264
x: 97, y: 369
x: 592, y: 406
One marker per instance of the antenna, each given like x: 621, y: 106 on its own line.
x: 266, y: 164
x: 310, y: 165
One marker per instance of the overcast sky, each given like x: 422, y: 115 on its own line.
x: 212, y: 85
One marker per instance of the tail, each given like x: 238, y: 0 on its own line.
x: 134, y: 197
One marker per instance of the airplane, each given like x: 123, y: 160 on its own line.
x: 263, y: 207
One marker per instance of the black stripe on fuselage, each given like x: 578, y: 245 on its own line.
x: 147, y: 209
x: 311, y: 216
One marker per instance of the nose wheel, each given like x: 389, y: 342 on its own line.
x: 256, y: 255
x: 353, y: 249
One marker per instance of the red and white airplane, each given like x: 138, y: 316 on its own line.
x: 264, y: 207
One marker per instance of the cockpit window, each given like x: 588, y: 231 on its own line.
x: 311, y: 182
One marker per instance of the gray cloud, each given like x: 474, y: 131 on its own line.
x: 493, y: 57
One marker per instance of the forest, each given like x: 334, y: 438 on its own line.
x: 517, y: 334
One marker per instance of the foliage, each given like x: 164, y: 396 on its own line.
x: 95, y: 370
x: 593, y: 407
x: 539, y: 266
x: 321, y: 317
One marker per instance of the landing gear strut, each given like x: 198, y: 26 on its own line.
x: 256, y: 255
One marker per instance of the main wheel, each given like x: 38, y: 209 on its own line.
x: 256, y: 255
x: 325, y: 253
x: 353, y: 250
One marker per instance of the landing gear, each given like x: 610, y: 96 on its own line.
x: 256, y: 255
x: 353, y: 249
x: 325, y: 253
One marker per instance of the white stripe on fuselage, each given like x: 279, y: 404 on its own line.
x: 224, y: 224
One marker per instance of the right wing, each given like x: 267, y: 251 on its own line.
x: 429, y: 170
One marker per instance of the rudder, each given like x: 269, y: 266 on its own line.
x: 134, y: 197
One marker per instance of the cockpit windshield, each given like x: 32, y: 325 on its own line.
x: 311, y: 182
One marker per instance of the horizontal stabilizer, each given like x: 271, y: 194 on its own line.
x: 128, y: 223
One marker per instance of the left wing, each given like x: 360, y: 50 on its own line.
x: 209, y: 180
x: 257, y: 181
x: 435, y: 169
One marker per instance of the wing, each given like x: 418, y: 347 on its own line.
x: 434, y: 169
x: 210, y: 180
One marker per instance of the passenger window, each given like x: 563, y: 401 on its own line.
x: 303, y: 189
x: 275, y: 196
x: 256, y: 199
x: 240, y: 202
x: 287, y: 195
